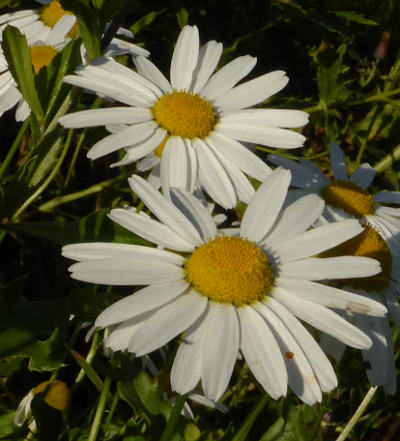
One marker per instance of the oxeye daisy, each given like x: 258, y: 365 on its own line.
x: 347, y: 196
x: 228, y: 293
x: 37, y: 24
x: 192, y: 126
x: 383, y: 287
x: 42, y: 54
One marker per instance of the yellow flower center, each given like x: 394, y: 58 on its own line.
x: 230, y: 270
x: 57, y: 394
x: 349, y: 197
x: 52, y: 12
x: 186, y: 115
x: 42, y: 56
x: 367, y: 244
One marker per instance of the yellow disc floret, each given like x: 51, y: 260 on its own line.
x: 42, y: 56
x: 57, y: 394
x: 230, y: 270
x: 349, y: 197
x: 367, y: 244
x: 184, y: 114
x: 52, y: 12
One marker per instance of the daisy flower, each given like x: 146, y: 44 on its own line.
x: 37, y: 24
x: 57, y: 396
x: 193, y: 125
x: 347, y: 197
x: 42, y: 54
x: 230, y: 293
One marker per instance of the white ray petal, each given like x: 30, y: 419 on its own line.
x: 167, y: 323
x: 142, y: 301
x: 363, y: 176
x: 262, y: 352
x: 149, y: 70
x: 209, y: 56
x: 184, y: 58
x: 265, y: 117
x: 338, y: 163
x: 222, y: 343
x: 265, y: 206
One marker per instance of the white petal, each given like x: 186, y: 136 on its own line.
x: 194, y: 210
x: 131, y: 135
x: 23, y: 111
x: 318, y: 360
x: 323, y: 319
x: 228, y: 76
x: 103, y: 250
x: 221, y: 349
x: 301, y: 377
x: 333, y: 297
x: 119, y: 338
x: 268, y: 136
x: 343, y: 267
x: 265, y: 117
x: 146, y: 68
x: 363, y: 176
x: 9, y: 99
x: 138, y: 151
x: 253, y: 92
x: 338, y: 163
x: 209, y: 55
x: 184, y: 58
x: 167, y: 323
x: 265, y: 206
x: 241, y: 156
x: 244, y: 190
x: 144, y: 300
x: 295, y: 219
x: 149, y: 162
x: 388, y: 197
x: 164, y: 210
x: 24, y: 408
x: 124, y: 271
x: 102, y: 117
x: 213, y: 176
x: 60, y: 30
x: 262, y: 352
x: 119, y: 47
x: 316, y: 240
x: 186, y: 369
x: 176, y: 168
x: 150, y: 229
x: 302, y: 175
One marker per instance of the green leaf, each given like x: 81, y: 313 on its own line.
x: 7, y: 426
x: 95, y: 227
x: 145, y: 21
x: 9, y: 3
x: 182, y: 16
x: 89, y: 371
x: 90, y: 28
x: 274, y: 431
x: 191, y: 432
x: 357, y: 18
x: 8, y: 367
x: 18, y: 55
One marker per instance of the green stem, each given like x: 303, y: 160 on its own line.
x: 357, y: 414
x: 46, y: 183
x: 60, y: 200
x: 388, y: 160
x: 364, y: 141
x: 94, y: 431
x: 89, y: 358
x: 14, y: 148
x: 241, y: 434
x: 173, y: 418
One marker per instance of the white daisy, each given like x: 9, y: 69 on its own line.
x: 42, y: 52
x: 347, y: 197
x: 37, y: 24
x: 230, y: 293
x: 384, y: 288
x: 192, y: 125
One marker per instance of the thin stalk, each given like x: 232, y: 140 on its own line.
x: 14, y: 148
x: 117, y: 21
x: 173, y: 418
x: 89, y: 358
x: 388, y: 160
x: 46, y: 183
x: 94, y: 431
x: 241, y: 434
x: 365, y: 138
x: 357, y: 414
x: 60, y: 200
